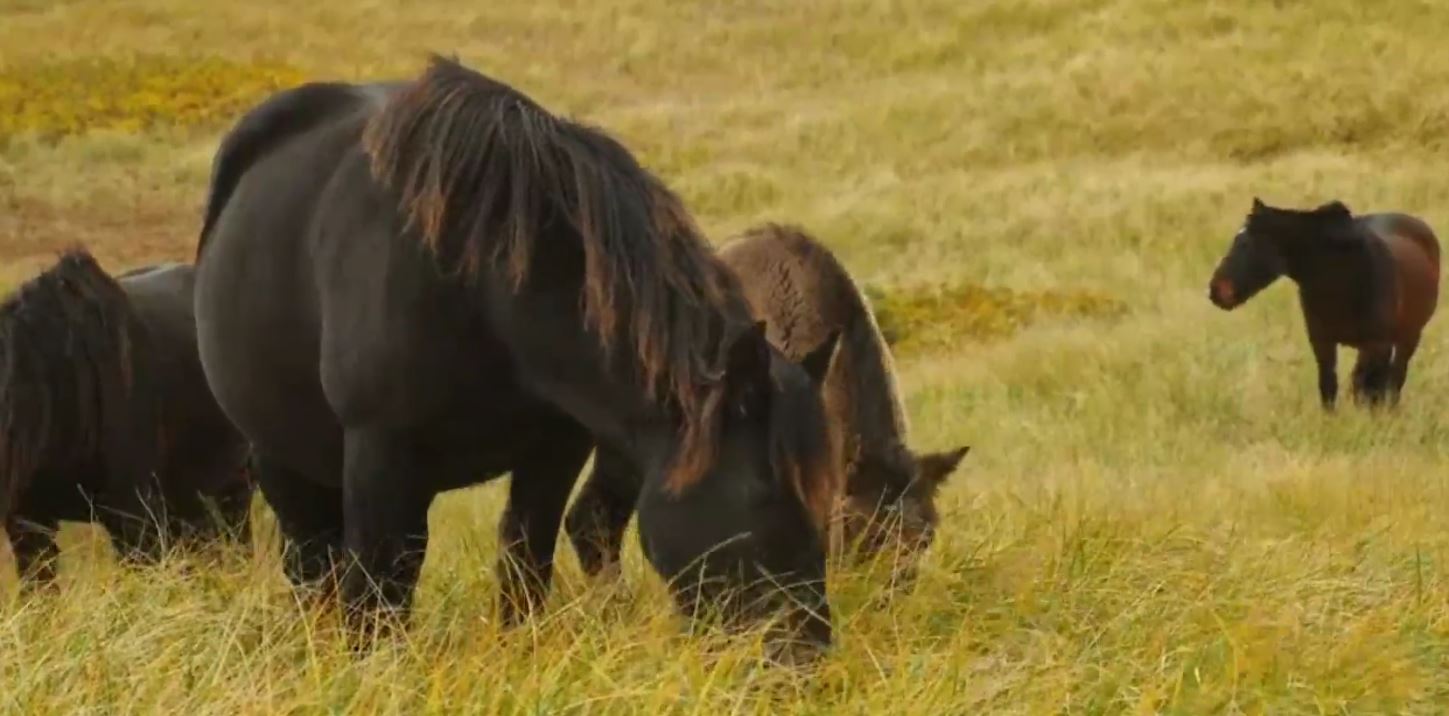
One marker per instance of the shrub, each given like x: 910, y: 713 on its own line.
x: 937, y: 317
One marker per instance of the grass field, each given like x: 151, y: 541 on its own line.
x: 1156, y: 517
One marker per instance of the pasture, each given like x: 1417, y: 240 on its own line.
x: 1155, y: 517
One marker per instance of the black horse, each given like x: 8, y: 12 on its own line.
x: 406, y: 288
x: 105, y: 415
x: 1369, y: 281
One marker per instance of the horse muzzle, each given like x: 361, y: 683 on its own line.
x: 1223, y: 295
x: 804, y: 636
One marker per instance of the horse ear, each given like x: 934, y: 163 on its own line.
x: 1258, y: 205
x: 937, y: 466
x: 817, y: 362
x: 1335, y: 209
x: 749, y: 354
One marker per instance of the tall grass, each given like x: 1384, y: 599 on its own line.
x: 1155, y: 517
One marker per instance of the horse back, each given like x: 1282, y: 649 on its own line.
x: 201, y: 447
x: 803, y: 293
x: 796, y: 286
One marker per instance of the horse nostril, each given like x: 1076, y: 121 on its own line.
x: 1220, y: 292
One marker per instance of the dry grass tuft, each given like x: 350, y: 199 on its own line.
x: 941, y: 317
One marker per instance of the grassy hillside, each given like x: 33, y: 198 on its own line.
x: 1156, y: 516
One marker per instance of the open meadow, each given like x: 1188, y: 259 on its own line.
x: 1155, y: 517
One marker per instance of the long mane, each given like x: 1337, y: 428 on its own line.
x: 65, y: 349
x: 485, y: 175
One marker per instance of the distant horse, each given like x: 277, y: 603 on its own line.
x: 805, y: 296
x: 1370, y: 282
x: 412, y: 287
x: 105, y: 415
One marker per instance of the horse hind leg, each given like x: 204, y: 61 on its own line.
x: 538, y: 492
x: 224, y: 516
x: 310, y: 518
x: 1399, y: 370
x: 385, y: 537
x: 234, y: 510
x: 1372, y: 375
x: 600, y: 514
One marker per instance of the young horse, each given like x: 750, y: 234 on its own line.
x: 806, y: 296
x: 1370, y: 282
x: 103, y: 405
x: 412, y: 287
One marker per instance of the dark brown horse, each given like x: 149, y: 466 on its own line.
x: 806, y: 297
x: 406, y: 288
x: 1370, y: 282
x: 106, y: 416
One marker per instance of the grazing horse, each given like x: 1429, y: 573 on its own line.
x: 105, y: 415
x: 1369, y: 281
x: 412, y: 287
x: 806, y: 297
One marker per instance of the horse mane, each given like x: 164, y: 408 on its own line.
x: 802, y: 451
x: 487, y: 176
x: 65, y: 349
x: 1330, y: 213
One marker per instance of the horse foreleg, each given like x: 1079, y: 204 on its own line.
x: 600, y: 515
x: 32, y: 526
x: 1325, y: 353
x: 310, y: 518
x: 538, y: 492
x: 32, y: 541
x: 385, y: 527
x: 135, y: 516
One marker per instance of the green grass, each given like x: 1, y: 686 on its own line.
x: 1155, y: 517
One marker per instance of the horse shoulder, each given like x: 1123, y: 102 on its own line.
x: 397, y: 341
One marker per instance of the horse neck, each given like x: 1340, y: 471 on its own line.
x: 563, y: 364
x: 1325, y: 269
x: 863, y: 397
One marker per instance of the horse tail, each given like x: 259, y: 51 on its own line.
x: 283, y: 115
x: 65, y: 349
x: 485, y: 174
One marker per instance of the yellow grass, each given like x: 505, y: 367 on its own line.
x: 1156, y: 516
